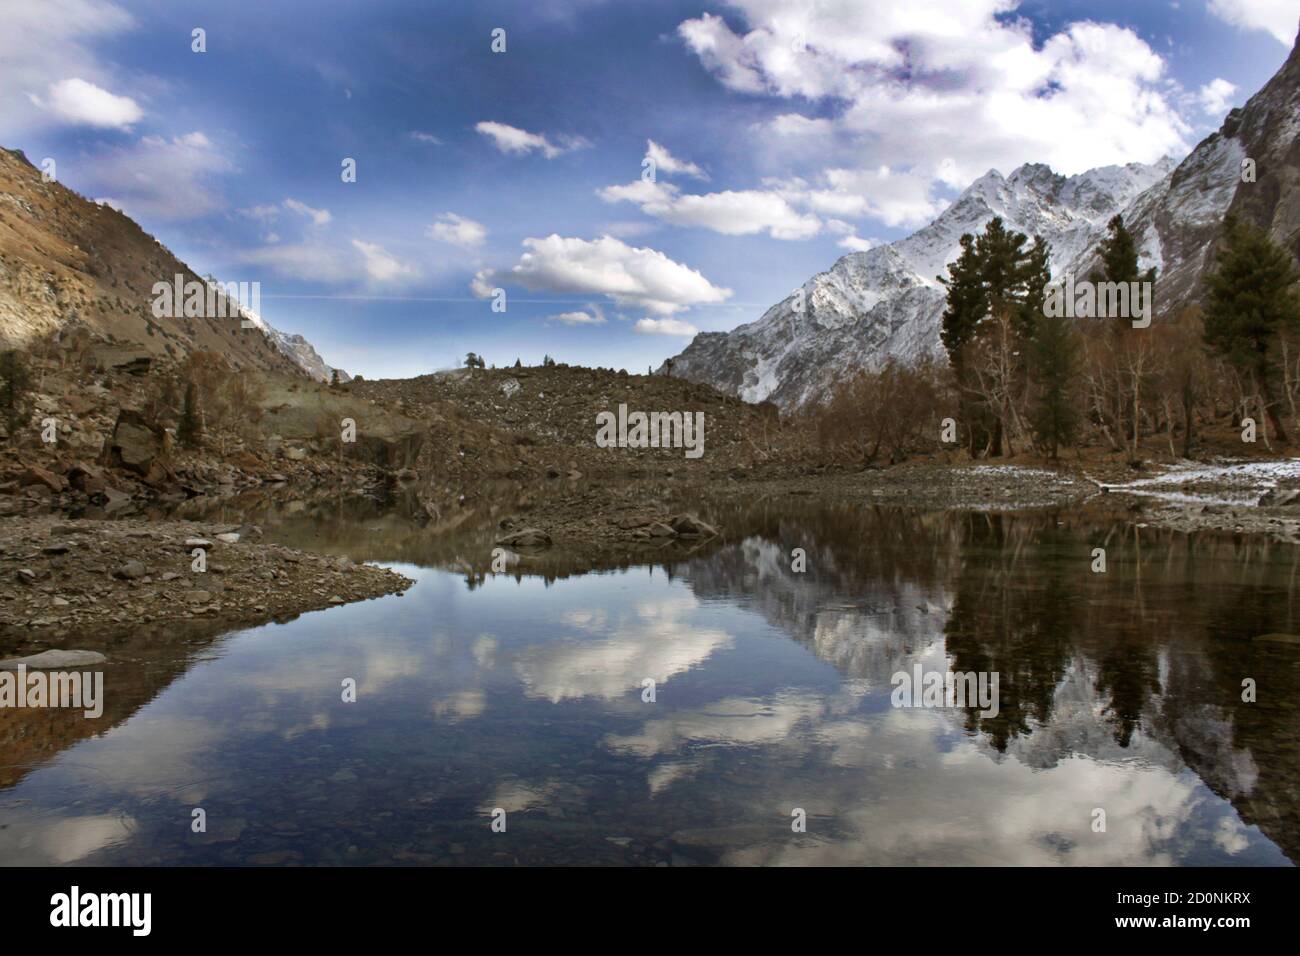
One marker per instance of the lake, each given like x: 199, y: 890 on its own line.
x: 769, y: 733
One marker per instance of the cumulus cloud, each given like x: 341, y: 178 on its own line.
x: 731, y: 212
x: 594, y: 317
x: 157, y: 178
x: 379, y: 265
x: 45, y: 44
x: 666, y: 162
x: 1216, y: 96
x: 946, y: 91
x: 1278, y: 17
x: 457, y: 231
x: 510, y: 139
x: 905, y: 198
x: 83, y: 103
x: 632, y: 277
x: 665, y: 327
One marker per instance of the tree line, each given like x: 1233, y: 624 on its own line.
x: 1021, y: 376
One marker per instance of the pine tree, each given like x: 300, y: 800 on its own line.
x: 967, y: 304
x: 189, y: 430
x: 1251, y: 298
x: 1053, y: 369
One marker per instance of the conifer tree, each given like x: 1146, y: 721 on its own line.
x: 189, y: 429
x: 1053, y: 370
x: 1250, y: 298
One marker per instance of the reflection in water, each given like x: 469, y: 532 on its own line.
x: 771, y: 691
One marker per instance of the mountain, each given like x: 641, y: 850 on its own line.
x: 65, y: 260
x: 887, y: 302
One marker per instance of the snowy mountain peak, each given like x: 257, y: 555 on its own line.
x: 887, y: 301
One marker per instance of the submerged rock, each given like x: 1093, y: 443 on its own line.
x: 55, y: 659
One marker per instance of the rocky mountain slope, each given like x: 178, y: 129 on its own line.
x: 65, y: 260
x: 887, y: 302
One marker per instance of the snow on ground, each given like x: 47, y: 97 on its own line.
x: 1231, y: 482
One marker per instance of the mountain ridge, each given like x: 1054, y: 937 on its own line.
x: 887, y: 302
x: 68, y: 261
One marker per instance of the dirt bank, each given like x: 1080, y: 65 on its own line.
x: 64, y: 576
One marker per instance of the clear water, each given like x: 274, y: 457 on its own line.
x: 524, y: 692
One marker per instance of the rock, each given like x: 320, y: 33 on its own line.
x: 140, y: 446
x: 54, y: 660
x: 198, y: 597
x: 1280, y: 497
x: 130, y: 571
x: 658, y: 529
x: 229, y: 537
x: 526, y: 538
x: 25, y: 575
x: 296, y: 454
x: 35, y: 475
x: 86, y: 478
x: 336, y: 600
x: 57, y: 601
x: 197, y: 543
x: 509, y: 388
x: 55, y: 549
x: 689, y: 526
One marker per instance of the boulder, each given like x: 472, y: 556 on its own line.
x: 130, y: 571
x: 34, y: 475
x: 140, y: 446
x: 54, y: 660
x: 526, y: 538
x: 689, y: 526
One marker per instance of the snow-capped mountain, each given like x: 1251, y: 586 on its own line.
x: 887, y: 302
x: 297, y: 349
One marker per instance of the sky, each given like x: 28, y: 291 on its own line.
x: 625, y: 172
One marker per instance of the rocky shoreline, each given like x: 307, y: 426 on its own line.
x: 59, y: 576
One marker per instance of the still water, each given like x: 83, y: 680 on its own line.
x: 525, y: 692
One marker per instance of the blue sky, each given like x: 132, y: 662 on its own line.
x: 783, y: 133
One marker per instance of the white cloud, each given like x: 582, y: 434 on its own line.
x: 510, y: 139
x: 594, y: 317
x: 80, y: 102
x: 427, y: 138
x: 45, y: 43
x: 855, y: 243
x: 665, y: 327
x: 895, y: 198
x: 458, y: 231
x: 157, y: 178
x: 639, y: 278
x: 945, y: 91
x: 793, y: 124
x: 666, y: 162
x: 319, y: 217
x: 1216, y: 96
x: 1278, y: 17
x: 379, y: 265
x: 731, y: 212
